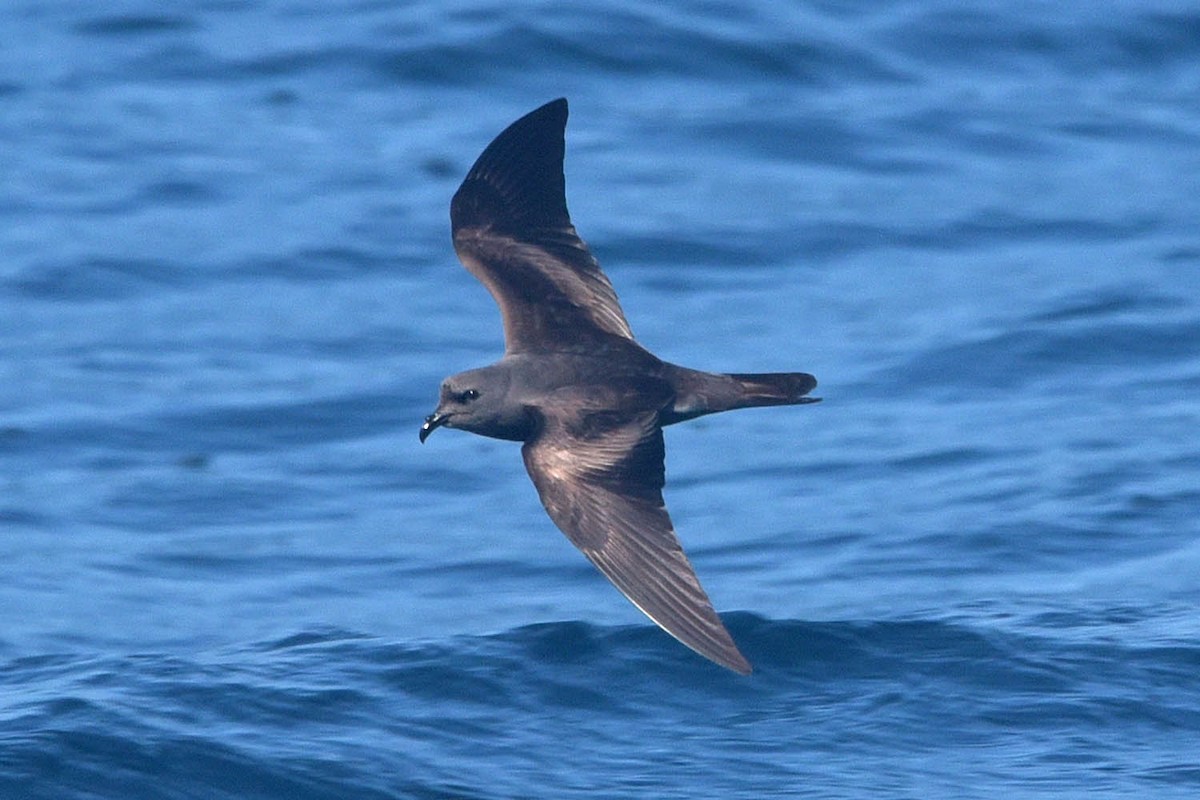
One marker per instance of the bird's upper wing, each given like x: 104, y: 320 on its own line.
x: 599, y: 474
x: 511, y: 229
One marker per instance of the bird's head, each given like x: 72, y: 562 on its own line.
x: 478, y: 401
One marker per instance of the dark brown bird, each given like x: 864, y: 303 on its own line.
x: 587, y: 400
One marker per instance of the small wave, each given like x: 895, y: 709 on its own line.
x: 325, y: 713
x: 1016, y: 358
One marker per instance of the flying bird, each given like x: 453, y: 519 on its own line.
x: 585, y: 399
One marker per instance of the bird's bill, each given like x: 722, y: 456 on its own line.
x: 432, y: 423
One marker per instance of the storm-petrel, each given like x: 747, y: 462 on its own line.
x: 588, y: 402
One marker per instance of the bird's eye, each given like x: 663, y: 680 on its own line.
x: 469, y: 395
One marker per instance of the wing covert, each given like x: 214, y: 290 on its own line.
x: 600, y: 477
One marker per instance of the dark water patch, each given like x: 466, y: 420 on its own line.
x: 724, y: 254
x: 1034, y: 545
x: 975, y: 37
x: 312, y: 637
x: 998, y: 226
x: 1158, y: 39
x: 1151, y: 132
x: 179, y: 193
x: 178, y: 501
x: 321, y: 263
x: 834, y: 240
x: 23, y: 518
x: 1108, y: 303
x: 1139, y: 506
x: 813, y: 139
x: 1016, y: 359
x: 454, y: 572
x: 482, y: 683
x: 631, y: 42
x: 1184, y: 775
x: 560, y: 642
x: 99, y: 278
x: 1050, y: 38
x: 210, y: 563
x: 958, y: 130
x: 194, y: 461
x: 619, y: 41
x: 122, y: 25
x: 179, y: 61
x: 146, y: 764
x: 440, y: 167
x: 948, y: 457
x: 205, y: 431
x: 266, y: 426
x: 1184, y: 254
x: 282, y: 98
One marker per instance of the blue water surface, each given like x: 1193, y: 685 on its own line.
x: 227, y: 297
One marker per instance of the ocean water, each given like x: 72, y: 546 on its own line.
x: 227, y: 297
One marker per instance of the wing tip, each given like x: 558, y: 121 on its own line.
x: 517, y: 182
x: 726, y: 654
x: 734, y: 661
x: 557, y: 106
x: 712, y: 639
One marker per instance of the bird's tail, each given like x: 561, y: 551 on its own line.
x: 774, y: 389
x: 699, y: 393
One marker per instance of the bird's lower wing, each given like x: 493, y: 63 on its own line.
x: 600, y: 477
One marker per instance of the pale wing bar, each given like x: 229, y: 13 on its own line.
x: 512, y: 230
x: 602, y: 485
